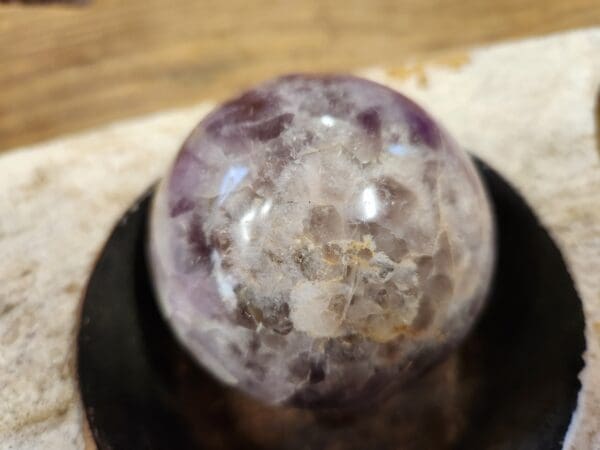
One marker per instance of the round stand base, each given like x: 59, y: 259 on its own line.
x: 512, y: 384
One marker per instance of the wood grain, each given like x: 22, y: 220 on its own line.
x: 67, y: 68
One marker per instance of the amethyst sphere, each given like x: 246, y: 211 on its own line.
x: 318, y: 239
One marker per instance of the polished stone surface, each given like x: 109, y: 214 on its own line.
x: 320, y: 239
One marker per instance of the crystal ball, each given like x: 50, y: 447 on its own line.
x: 319, y: 240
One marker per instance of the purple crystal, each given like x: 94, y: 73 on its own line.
x: 318, y: 239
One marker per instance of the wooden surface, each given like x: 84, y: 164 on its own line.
x: 64, y: 69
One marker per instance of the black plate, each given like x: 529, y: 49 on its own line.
x: 513, y: 384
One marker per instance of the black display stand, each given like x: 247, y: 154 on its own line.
x: 515, y: 378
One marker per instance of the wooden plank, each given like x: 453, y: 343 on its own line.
x: 67, y: 68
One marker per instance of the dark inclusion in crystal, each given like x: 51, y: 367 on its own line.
x: 319, y: 239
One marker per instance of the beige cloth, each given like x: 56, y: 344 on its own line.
x: 527, y: 108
